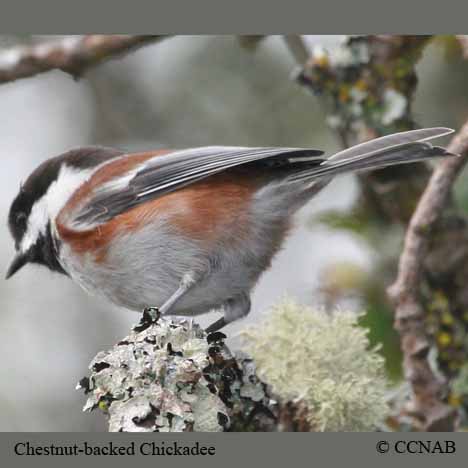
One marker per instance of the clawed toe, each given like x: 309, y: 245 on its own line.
x: 149, y: 317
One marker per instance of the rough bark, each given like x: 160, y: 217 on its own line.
x: 429, y: 389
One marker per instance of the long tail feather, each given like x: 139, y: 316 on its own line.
x: 388, y: 141
x: 394, y: 154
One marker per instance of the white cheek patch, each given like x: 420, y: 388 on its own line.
x: 49, y: 205
x: 37, y: 223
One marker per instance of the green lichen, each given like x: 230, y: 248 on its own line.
x: 460, y: 384
x: 365, y: 94
x: 445, y: 323
x: 323, y: 361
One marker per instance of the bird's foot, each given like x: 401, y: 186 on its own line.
x: 150, y: 316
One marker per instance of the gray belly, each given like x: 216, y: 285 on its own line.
x: 145, y: 269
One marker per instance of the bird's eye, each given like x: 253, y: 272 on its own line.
x: 21, y: 220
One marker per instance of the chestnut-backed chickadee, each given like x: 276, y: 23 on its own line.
x: 186, y: 231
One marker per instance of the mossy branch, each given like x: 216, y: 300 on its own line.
x: 367, y: 84
x: 427, y: 404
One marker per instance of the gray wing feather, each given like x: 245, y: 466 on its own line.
x: 190, y: 166
x: 166, y: 173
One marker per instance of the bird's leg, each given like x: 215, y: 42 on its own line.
x: 215, y: 326
x: 234, y: 308
x: 188, y: 280
x: 152, y: 314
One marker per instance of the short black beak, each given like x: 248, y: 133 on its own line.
x: 18, y: 262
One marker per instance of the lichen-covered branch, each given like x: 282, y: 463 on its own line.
x: 73, y: 54
x: 367, y: 84
x: 410, y: 319
x: 171, y: 376
x: 313, y: 374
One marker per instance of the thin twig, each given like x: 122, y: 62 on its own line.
x: 73, y: 54
x: 405, y: 292
x: 298, y: 48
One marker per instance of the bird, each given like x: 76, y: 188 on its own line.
x: 184, y: 231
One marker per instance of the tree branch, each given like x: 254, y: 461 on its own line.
x: 169, y: 375
x: 426, y: 215
x: 405, y: 292
x: 172, y: 376
x: 297, y: 48
x: 369, y: 83
x: 73, y: 55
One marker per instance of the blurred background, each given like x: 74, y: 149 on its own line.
x: 184, y: 91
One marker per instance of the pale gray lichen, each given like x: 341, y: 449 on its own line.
x: 171, y: 376
x: 395, y: 106
x: 342, y: 54
x: 324, y: 362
